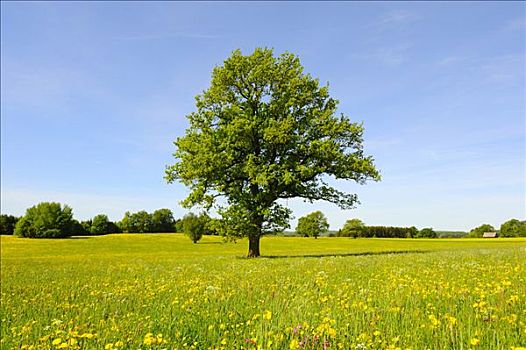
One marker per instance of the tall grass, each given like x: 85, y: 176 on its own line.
x: 161, y: 291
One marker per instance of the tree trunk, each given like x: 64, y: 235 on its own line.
x: 253, y: 246
x: 255, y: 235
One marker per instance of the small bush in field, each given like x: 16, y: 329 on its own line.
x: 193, y: 226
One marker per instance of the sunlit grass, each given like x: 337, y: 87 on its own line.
x: 162, y: 291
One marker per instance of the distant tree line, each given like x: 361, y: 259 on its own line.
x: 511, y: 228
x: 53, y: 220
x: 7, y: 224
x: 161, y: 220
x: 315, y: 224
x: 357, y: 229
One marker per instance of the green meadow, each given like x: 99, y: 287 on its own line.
x: 160, y: 291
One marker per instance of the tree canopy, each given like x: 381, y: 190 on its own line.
x: 427, y: 232
x: 352, y: 228
x: 101, y: 225
x: 7, y: 224
x: 163, y: 221
x: 513, y: 228
x: 263, y: 131
x: 46, y: 220
x: 193, y: 226
x: 312, y: 225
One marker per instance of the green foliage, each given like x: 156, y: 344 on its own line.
x: 388, y: 232
x: 140, y: 222
x: 46, y: 220
x: 163, y: 221
x: 86, y: 227
x: 101, y: 225
x: 352, y: 228
x: 513, y: 228
x: 178, y: 225
x: 263, y: 131
x: 451, y: 234
x: 412, y: 232
x: 479, y: 231
x: 211, y: 225
x: 7, y: 224
x: 312, y: 225
x: 193, y: 226
x: 78, y: 229
x: 426, y: 233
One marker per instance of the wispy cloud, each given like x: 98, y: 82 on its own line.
x: 379, y: 144
x: 516, y: 24
x: 505, y: 70
x: 393, y: 19
x: 451, y: 60
x: 397, y: 17
x: 41, y: 87
x: 390, y: 56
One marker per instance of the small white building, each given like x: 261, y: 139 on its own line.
x: 490, y: 235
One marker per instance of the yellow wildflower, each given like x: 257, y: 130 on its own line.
x: 294, y: 344
x: 267, y: 315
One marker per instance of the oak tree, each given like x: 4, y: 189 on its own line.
x: 263, y: 131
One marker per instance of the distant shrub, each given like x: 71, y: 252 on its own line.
x: 140, y: 222
x: 193, y: 226
x: 78, y: 229
x: 426, y: 233
x: 162, y: 221
x: 46, y: 220
x: 312, y: 225
x: 101, y: 225
x: 352, y: 228
x: 178, y: 225
x: 7, y: 224
x: 451, y: 234
x: 513, y: 228
x: 86, y: 227
x: 389, y: 232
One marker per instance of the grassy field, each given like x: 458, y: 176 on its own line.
x: 160, y: 291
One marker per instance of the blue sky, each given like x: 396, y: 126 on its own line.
x: 93, y: 94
